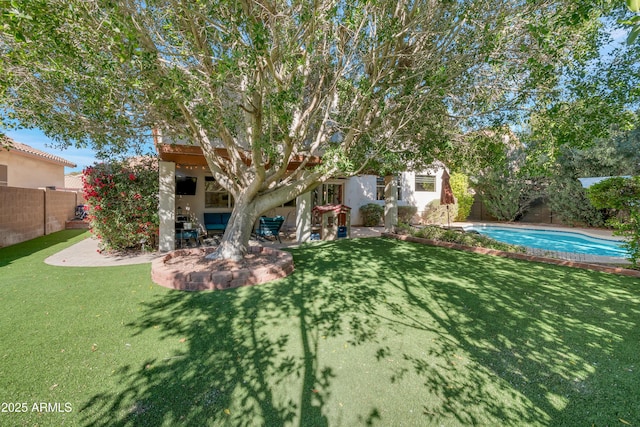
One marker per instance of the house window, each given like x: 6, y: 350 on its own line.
x: 426, y: 183
x: 3, y: 175
x: 215, y: 196
x: 380, y: 188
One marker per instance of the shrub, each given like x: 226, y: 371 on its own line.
x: 371, y: 214
x: 435, y: 213
x: 406, y: 214
x: 623, y: 196
x: 460, y: 187
x: 568, y: 200
x: 464, y: 238
x: 506, y: 196
x: 123, y: 200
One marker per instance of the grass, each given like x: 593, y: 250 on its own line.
x: 365, y: 332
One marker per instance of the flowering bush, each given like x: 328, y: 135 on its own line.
x: 123, y: 200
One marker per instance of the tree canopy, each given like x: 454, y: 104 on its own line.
x: 351, y: 81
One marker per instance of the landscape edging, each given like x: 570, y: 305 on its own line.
x: 514, y: 255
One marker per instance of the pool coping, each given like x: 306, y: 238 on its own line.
x: 519, y: 256
x: 589, y: 232
x: 601, y: 234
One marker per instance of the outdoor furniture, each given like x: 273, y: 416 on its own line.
x: 216, y: 221
x: 184, y: 235
x: 270, y: 227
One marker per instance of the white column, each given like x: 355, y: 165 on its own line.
x: 303, y: 217
x: 390, y: 203
x: 167, y: 206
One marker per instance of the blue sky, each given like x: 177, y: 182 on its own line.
x: 82, y: 157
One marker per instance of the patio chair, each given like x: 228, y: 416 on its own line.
x: 270, y: 227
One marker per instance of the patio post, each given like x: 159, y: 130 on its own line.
x: 303, y: 217
x: 390, y: 203
x: 166, y: 208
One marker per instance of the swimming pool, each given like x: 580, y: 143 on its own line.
x: 551, y: 240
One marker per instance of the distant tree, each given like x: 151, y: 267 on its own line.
x: 273, y: 82
x: 622, y: 195
x: 617, y: 155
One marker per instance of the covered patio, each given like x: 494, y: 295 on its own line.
x: 188, y: 191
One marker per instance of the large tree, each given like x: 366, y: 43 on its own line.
x: 273, y: 81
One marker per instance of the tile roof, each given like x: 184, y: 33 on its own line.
x: 10, y: 144
x: 73, y: 182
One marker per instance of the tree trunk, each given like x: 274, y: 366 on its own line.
x: 390, y: 203
x: 235, y: 240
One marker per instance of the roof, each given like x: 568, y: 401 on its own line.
x: 25, y: 149
x: 331, y: 208
x: 73, y: 182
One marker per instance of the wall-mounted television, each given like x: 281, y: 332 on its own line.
x: 186, y: 185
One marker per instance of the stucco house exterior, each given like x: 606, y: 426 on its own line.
x: 24, y: 166
x: 186, y: 185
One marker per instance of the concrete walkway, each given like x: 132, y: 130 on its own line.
x: 85, y: 253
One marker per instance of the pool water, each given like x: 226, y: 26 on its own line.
x: 551, y: 240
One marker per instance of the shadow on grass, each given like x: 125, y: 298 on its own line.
x: 479, y: 339
x: 12, y: 253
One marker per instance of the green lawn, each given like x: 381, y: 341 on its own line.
x: 365, y: 332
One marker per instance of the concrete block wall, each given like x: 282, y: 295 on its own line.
x: 60, y: 207
x: 27, y: 213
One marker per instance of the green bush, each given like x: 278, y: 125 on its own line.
x: 460, y: 187
x: 435, y: 213
x: 123, y: 201
x: 406, y: 213
x: 623, y: 196
x: 371, y: 214
x: 464, y: 238
x: 568, y: 201
x: 506, y: 195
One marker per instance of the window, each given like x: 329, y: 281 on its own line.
x: 3, y: 175
x: 327, y: 194
x: 426, y: 183
x: 214, y: 195
x: 380, y: 188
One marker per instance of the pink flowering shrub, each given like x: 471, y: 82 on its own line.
x: 123, y: 203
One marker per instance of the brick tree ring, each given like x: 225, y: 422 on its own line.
x: 188, y: 270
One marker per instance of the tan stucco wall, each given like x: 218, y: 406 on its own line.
x: 29, y: 172
x: 27, y: 213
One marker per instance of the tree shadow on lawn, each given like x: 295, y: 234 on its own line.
x: 562, y: 342
x: 465, y: 338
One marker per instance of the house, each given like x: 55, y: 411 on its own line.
x: 28, y: 207
x: 192, y: 189
x: 26, y: 167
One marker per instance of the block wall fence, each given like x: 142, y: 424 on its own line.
x: 27, y: 213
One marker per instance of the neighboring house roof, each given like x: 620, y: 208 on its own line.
x: 73, y: 182
x: 588, y: 182
x: 27, y: 150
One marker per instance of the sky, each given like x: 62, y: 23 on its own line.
x: 82, y: 157
x: 35, y: 138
